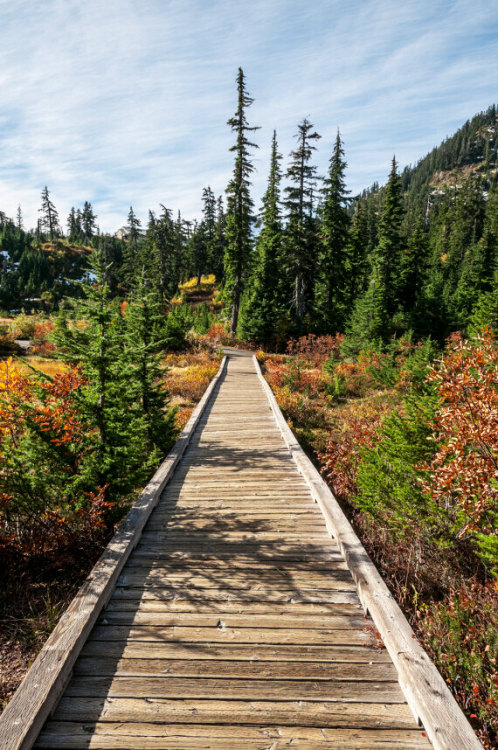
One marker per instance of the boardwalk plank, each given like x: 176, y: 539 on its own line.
x: 136, y: 736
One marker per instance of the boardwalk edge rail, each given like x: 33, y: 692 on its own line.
x: 425, y: 690
x: 40, y: 691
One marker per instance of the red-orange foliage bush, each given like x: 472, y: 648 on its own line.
x: 340, y: 459
x: 464, y: 470
x: 41, y: 334
x: 316, y: 348
x: 42, y: 441
x: 461, y: 633
x: 216, y: 333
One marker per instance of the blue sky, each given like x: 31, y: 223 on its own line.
x: 126, y: 102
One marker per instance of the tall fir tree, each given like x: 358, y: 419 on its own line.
x: 219, y: 243
x: 88, y: 222
x: 335, y: 266
x: 49, y: 215
x: 209, y: 228
x: 109, y: 399
x: 145, y: 337
x: 239, y: 216
x: 133, y: 228
x: 263, y: 303
x: 301, y: 234
x: 374, y: 317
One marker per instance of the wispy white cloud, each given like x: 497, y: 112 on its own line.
x: 126, y: 103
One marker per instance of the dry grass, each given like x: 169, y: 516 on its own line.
x: 187, y: 377
x: 47, y: 366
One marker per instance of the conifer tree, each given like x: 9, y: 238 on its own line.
x: 239, y: 216
x: 158, y: 257
x: 133, y: 227
x: 109, y: 399
x: 74, y: 225
x: 209, y: 229
x: 360, y: 246
x: 198, y: 250
x: 145, y: 337
x: 219, y: 243
x: 130, y: 265
x: 88, y: 222
x: 335, y: 266
x: 264, y: 299
x: 301, y: 235
x: 373, y: 318
x: 50, y: 217
x: 387, y: 255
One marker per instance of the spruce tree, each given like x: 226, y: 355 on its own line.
x: 335, y: 266
x: 198, y: 250
x: 263, y: 303
x: 88, y: 222
x: 50, y: 217
x: 219, y: 242
x: 131, y: 248
x: 145, y: 337
x: 109, y: 399
x: 301, y: 234
x: 239, y: 216
x: 158, y: 255
x: 373, y: 319
x: 360, y: 247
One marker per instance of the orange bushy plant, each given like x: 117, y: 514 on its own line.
x: 340, y: 459
x: 463, y: 474
x: 42, y: 442
x: 41, y: 337
x: 318, y: 349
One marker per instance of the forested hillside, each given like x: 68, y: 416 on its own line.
x: 417, y: 255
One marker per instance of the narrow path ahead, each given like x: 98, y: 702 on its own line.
x: 235, y: 622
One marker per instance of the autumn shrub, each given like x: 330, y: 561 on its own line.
x: 45, y: 503
x: 215, y: 333
x: 191, y: 382
x: 318, y: 349
x: 340, y: 459
x: 349, y: 379
x: 43, y: 345
x: 462, y: 473
x: 23, y: 326
x: 461, y: 634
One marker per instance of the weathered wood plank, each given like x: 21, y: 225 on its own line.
x: 291, y: 596
x: 137, y: 736
x: 290, y: 713
x: 279, y: 636
x: 186, y: 688
x: 137, y: 602
x: 226, y: 619
x: 238, y: 652
x: 275, y: 670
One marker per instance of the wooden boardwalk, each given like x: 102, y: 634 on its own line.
x: 233, y: 615
x: 235, y: 622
